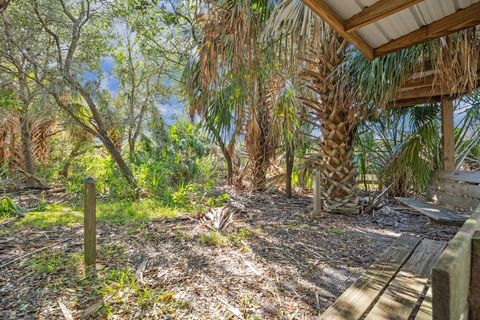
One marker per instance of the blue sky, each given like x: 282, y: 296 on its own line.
x: 171, y: 108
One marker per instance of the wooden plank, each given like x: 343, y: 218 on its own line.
x: 462, y: 19
x: 474, y: 299
x: 448, y: 136
x: 453, y: 200
x: 464, y: 176
x: 425, y: 311
x: 357, y: 299
x: 322, y: 9
x: 377, y: 11
x: 464, y: 189
x: 435, y: 212
x: 451, y: 274
x: 401, y: 296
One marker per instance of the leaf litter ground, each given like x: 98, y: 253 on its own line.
x: 272, y: 262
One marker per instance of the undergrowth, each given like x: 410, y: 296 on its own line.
x: 122, y: 294
x: 236, y: 238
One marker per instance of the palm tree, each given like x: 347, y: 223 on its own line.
x: 343, y: 83
x: 319, y: 52
x: 233, y: 58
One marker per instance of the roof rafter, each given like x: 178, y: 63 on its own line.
x: 462, y: 19
x: 348, y: 26
x: 377, y: 11
x: 323, y: 10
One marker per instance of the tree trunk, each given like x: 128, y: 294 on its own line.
x: 337, y: 113
x: 74, y: 153
x: 336, y: 164
x: 27, y: 151
x: 259, y: 145
x: 289, y: 160
x: 131, y: 146
x: 122, y: 165
x: 227, y: 155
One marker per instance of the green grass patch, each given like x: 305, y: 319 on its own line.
x: 121, y: 288
x: 52, y: 215
x: 55, y: 261
x: 335, y: 230
x: 120, y: 212
x: 218, y: 239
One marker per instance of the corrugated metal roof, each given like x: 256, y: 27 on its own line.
x: 400, y: 23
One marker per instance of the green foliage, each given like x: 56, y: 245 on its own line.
x: 8, y: 208
x: 218, y: 201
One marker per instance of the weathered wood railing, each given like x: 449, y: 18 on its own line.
x: 456, y: 275
x: 460, y: 189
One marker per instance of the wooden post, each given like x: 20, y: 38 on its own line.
x: 90, y: 225
x: 474, y: 300
x: 448, y: 135
x: 317, y: 194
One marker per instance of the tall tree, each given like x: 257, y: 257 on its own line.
x: 320, y: 52
x: 141, y: 85
x: 232, y: 53
x: 71, y: 45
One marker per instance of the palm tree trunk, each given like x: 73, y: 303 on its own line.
x: 336, y: 163
x: 259, y: 148
x: 337, y: 116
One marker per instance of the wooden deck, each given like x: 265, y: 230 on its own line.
x: 434, y: 212
x: 393, y: 285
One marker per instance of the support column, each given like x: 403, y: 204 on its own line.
x: 448, y: 135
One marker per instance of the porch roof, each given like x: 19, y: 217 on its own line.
x: 379, y: 27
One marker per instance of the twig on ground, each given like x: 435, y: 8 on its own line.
x: 66, y: 313
x: 232, y: 309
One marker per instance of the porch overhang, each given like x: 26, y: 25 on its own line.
x: 380, y: 27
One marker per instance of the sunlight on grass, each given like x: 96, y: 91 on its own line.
x: 131, y: 212
x: 53, y: 215
x: 121, y: 212
x: 218, y: 239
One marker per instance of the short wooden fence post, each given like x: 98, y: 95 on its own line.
x: 317, y: 194
x: 90, y: 225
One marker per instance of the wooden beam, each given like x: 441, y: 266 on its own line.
x: 377, y: 11
x: 419, y: 82
x: 462, y: 19
x: 324, y: 11
x: 422, y: 92
x: 448, y: 135
x: 412, y: 102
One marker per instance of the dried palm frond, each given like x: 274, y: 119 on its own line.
x: 41, y: 129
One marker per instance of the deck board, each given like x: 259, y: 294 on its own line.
x: 401, y: 296
x: 361, y: 296
x: 435, y: 212
x: 425, y: 312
